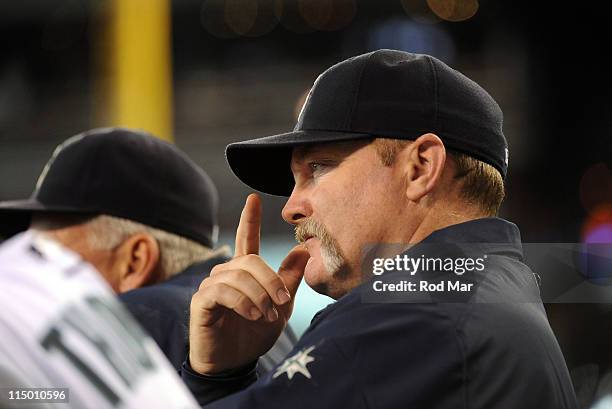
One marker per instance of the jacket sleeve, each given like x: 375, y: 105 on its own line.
x: 314, y: 375
x: 359, y: 355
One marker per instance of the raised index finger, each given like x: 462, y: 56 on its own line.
x: 247, y: 234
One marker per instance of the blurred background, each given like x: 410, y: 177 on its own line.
x: 206, y: 73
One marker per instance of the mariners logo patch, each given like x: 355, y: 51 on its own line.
x: 297, y: 363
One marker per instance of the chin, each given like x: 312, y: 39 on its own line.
x: 316, y: 277
x: 332, y: 290
x: 330, y: 284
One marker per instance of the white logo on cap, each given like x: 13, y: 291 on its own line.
x: 506, y: 158
x: 56, y: 151
x: 61, y: 147
x: 299, y: 120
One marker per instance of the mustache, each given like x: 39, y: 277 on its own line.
x: 311, y: 228
x: 333, y: 258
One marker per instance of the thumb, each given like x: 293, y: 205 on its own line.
x: 292, y: 268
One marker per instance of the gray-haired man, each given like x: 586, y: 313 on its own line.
x: 143, y: 214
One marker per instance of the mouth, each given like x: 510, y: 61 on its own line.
x: 308, y: 242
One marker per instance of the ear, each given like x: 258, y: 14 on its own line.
x: 424, y: 163
x: 137, y: 259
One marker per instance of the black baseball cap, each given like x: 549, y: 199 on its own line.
x: 382, y: 94
x: 123, y: 173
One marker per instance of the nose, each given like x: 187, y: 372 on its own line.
x: 298, y: 207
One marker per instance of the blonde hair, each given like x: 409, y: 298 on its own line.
x: 481, y: 184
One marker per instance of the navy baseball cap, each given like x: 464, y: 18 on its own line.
x: 382, y: 94
x: 123, y: 173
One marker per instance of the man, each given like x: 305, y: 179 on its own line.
x: 143, y: 214
x: 390, y: 147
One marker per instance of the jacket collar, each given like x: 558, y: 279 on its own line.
x: 491, y: 234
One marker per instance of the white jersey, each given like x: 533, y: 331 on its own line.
x: 62, y: 327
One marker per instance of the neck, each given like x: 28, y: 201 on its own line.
x: 437, y: 218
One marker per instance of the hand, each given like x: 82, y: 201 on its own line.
x: 241, y: 309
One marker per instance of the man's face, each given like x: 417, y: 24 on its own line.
x: 344, y: 198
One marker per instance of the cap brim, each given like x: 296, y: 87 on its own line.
x: 264, y: 164
x: 15, y: 215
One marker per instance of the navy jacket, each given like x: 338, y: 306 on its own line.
x: 489, y: 348
x: 163, y: 311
